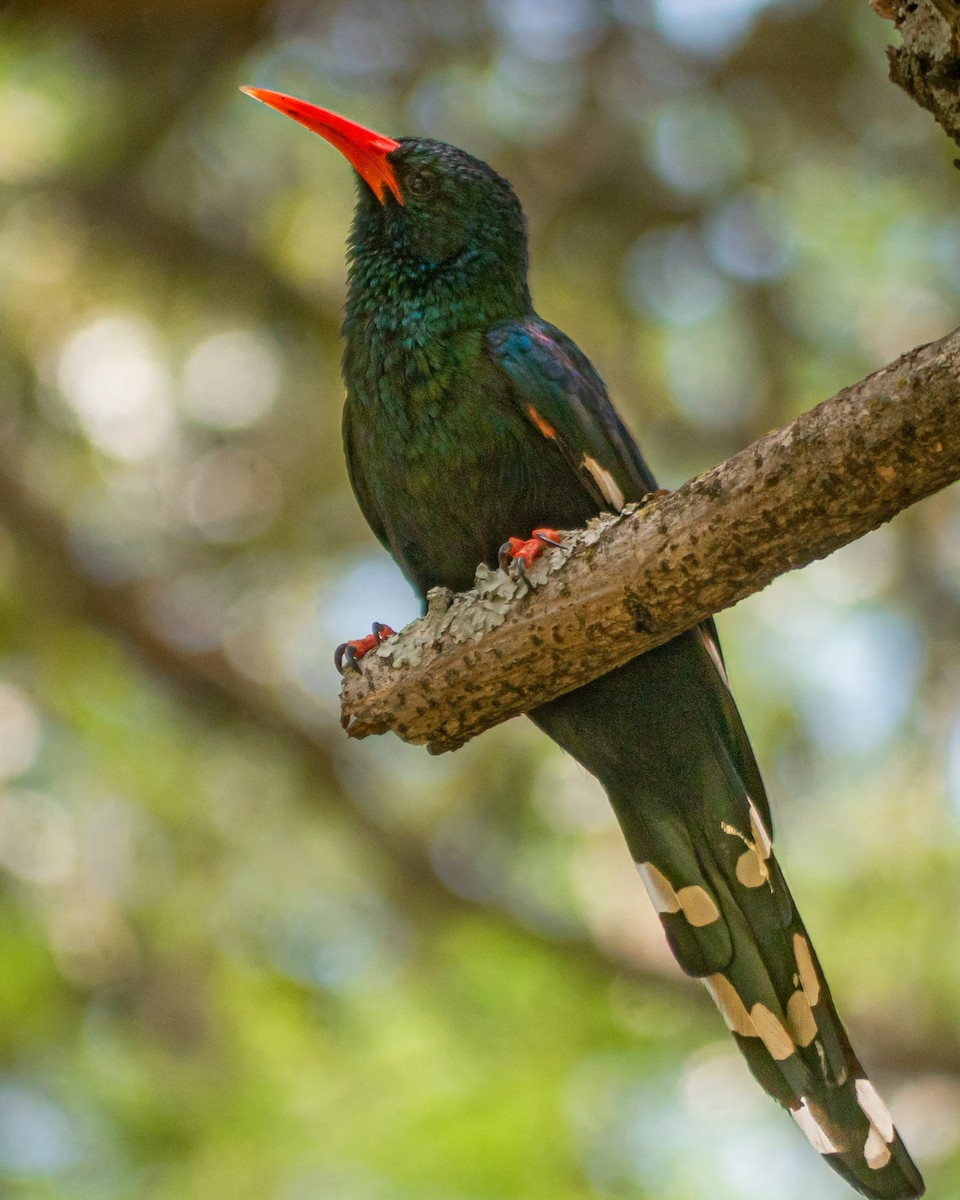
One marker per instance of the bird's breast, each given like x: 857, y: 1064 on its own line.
x: 441, y: 458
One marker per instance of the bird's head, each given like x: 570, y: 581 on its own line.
x: 429, y: 214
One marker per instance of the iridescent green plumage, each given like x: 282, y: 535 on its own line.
x: 468, y: 419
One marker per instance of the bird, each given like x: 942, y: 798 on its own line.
x: 470, y: 419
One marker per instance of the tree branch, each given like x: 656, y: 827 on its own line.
x: 637, y: 579
x: 927, y: 62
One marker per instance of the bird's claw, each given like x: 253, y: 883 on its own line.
x: 522, y: 554
x: 347, y: 655
x: 345, y: 658
x: 649, y: 497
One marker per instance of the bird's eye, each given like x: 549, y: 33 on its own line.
x: 421, y: 184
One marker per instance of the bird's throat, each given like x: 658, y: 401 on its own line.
x: 395, y: 291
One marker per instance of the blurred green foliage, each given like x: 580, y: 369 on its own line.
x: 242, y: 957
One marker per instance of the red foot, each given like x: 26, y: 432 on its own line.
x: 348, y: 654
x: 525, y: 553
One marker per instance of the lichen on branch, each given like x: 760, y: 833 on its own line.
x: 926, y: 64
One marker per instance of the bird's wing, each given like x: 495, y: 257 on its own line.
x: 357, y: 450
x: 566, y: 401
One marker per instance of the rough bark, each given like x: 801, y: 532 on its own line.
x: 634, y: 580
x: 927, y: 62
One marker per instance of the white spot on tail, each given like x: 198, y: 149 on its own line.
x: 698, y: 905
x: 800, y: 1019
x: 752, y: 871
x: 694, y: 901
x: 808, y: 973
x: 778, y: 1042
x: 876, y: 1111
x: 876, y: 1151
x: 659, y: 888
x: 815, y: 1134
x: 732, y: 1008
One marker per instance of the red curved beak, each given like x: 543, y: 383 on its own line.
x: 366, y: 150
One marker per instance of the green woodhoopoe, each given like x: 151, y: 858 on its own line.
x: 468, y: 417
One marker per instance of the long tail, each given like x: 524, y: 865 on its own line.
x: 730, y: 919
x: 664, y: 736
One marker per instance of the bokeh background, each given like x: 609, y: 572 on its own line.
x: 241, y: 957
